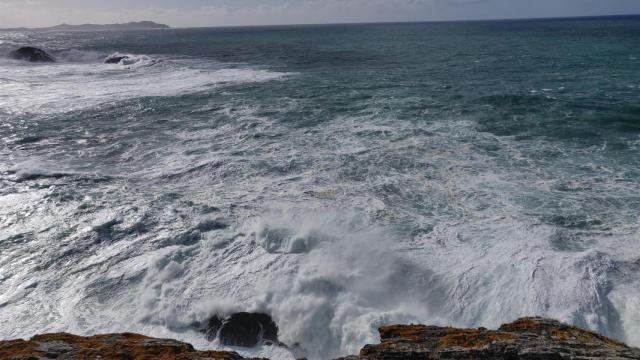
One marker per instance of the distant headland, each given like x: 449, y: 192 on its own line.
x: 138, y: 25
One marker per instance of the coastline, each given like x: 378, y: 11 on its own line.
x: 525, y: 338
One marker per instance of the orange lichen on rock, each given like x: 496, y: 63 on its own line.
x: 471, y: 339
x: 527, y: 324
x: 577, y: 334
x: 443, y: 337
x: 107, y: 347
x: 524, y: 339
x: 405, y: 332
x: 557, y: 330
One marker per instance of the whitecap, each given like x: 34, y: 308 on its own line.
x: 66, y: 87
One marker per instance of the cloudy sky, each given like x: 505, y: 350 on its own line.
x: 184, y: 13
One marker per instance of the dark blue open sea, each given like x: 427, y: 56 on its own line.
x: 336, y: 177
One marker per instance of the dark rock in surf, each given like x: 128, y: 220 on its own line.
x: 242, y: 329
x: 31, y: 54
x: 115, y: 59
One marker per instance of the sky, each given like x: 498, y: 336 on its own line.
x: 196, y: 13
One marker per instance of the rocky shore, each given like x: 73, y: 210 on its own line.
x: 112, y: 346
x: 527, y: 339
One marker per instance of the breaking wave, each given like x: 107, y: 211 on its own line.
x: 130, y: 59
x: 54, y: 88
x: 340, y: 187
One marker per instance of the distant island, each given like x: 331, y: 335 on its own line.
x: 138, y: 25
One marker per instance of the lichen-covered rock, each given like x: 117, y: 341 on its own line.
x: 107, y: 347
x: 526, y: 339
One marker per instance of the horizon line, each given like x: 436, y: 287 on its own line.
x: 585, y: 17
x: 549, y: 18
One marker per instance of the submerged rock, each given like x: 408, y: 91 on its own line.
x: 243, y: 329
x: 31, y: 54
x: 114, y: 346
x: 115, y: 59
x: 128, y: 59
x: 526, y: 339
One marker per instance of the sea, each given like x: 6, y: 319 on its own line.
x: 335, y: 177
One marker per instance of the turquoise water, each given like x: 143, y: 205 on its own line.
x: 337, y: 177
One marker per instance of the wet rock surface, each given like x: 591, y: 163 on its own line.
x: 115, y: 59
x: 526, y: 339
x: 243, y: 329
x: 113, y: 346
x: 31, y: 54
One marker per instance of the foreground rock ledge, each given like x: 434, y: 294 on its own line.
x: 527, y: 339
x: 107, y: 347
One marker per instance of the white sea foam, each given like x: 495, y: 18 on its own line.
x: 67, y: 86
x: 466, y: 275
x: 346, y: 286
x: 330, y: 276
x: 78, y: 56
x: 131, y: 59
x: 329, y: 295
x: 332, y: 229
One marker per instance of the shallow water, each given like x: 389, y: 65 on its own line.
x: 336, y: 177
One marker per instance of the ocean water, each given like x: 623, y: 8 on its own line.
x: 336, y: 177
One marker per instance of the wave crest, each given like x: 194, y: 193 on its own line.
x: 129, y: 59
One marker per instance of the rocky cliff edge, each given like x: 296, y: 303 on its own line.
x: 526, y: 339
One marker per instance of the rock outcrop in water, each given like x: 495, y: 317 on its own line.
x: 31, y: 54
x: 242, y: 329
x: 115, y: 59
x: 524, y: 339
